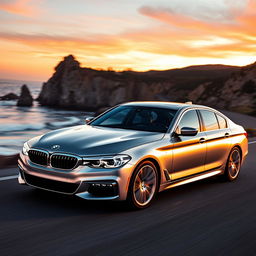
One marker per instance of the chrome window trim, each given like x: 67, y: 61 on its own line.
x: 179, y: 117
x: 219, y: 123
x: 215, y: 113
x: 182, y: 111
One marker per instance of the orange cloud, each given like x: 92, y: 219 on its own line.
x: 168, y: 16
x: 168, y: 40
x: 97, y: 45
x: 20, y: 7
x: 240, y: 33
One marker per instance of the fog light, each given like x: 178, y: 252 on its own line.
x: 103, y: 188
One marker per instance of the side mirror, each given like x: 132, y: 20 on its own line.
x: 88, y: 119
x: 188, y: 131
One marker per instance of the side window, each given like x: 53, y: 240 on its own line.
x: 210, y: 120
x: 222, y: 122
x: 189, y: 119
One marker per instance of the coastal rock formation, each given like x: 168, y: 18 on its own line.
x: 9, y: 96
x: 220, y: 86
x: 74, y: 87
x: 25, y: 98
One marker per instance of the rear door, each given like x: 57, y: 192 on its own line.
x: 218, y: 141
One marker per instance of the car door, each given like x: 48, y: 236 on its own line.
x: 218, y: 141
x: 188, y: 152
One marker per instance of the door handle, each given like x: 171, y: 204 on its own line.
x: 201, y: 140
x: 226, y: 134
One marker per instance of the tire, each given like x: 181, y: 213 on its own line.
x: 143, y: 186
x: 233, y: 165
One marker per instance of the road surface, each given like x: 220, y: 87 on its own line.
x: 208, y: 217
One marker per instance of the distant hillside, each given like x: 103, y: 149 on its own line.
x: 211, y: 67
x: 72, y: 86
x: 190, y: 77
x: 237, y: 93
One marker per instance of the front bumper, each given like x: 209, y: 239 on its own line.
x: 83, y: 181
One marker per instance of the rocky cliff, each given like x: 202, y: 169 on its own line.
x: 72, y: 86
x: 237, y: 93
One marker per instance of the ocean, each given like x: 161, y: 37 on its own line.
x: 18, y: 124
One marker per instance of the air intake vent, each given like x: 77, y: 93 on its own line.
x: 38, y: 157
x: 58, y: 186
x: 63, y: 161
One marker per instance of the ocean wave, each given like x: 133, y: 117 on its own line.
x: 39, y: 126
x: 8, y: 102
x: 21, y: 127
x: 8, y: 151
x: 71, y: 121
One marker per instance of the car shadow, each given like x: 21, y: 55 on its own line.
x: 31, y: 203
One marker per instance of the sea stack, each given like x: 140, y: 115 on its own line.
x: 61, y: 88
x: 25, y: 99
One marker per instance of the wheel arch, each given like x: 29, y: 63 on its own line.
x: 130, y: 198
x: 239, y: 147
x: 157, y: 165
x: 227, y: 176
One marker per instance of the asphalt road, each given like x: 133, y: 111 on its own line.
x: 208, y: 217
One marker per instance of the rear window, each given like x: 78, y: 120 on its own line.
x: 209, y: 120
x: 222, y: 122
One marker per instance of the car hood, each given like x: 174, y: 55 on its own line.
x: 88, y: 140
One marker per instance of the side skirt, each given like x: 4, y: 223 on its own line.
x: 190, y: 179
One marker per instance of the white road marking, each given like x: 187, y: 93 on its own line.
x: 252, y: 142
x: 9, y: 177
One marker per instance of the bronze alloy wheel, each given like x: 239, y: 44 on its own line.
x: 144, y: 185
x: 233, y: 164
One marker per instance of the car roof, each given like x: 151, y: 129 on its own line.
x: 162, y: 104
x: 172, y: 105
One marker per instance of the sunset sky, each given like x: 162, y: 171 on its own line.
x: 136, y: 34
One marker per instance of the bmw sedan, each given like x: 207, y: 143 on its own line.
x: 134, y: 150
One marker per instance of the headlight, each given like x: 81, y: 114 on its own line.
x: 25, y: 148
x: 107, y: 161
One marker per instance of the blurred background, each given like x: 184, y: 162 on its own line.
x: 78, y: 58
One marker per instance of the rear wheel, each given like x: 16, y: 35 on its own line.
x: 143, y: 186
x: 233, y: 165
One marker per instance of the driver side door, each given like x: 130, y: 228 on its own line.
x: 189, y: 152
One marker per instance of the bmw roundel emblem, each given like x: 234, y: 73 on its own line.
x: 55, y: 147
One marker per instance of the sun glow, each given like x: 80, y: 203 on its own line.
x: 35, y: 35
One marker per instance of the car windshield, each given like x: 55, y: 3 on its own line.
x: 139, y: 118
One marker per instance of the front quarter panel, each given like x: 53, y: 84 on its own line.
x: 153, y: 151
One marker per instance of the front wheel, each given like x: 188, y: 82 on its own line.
x: 233, y: 165
x: 143, y: 186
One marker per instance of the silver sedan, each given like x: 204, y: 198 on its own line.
x: 134, y: 150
